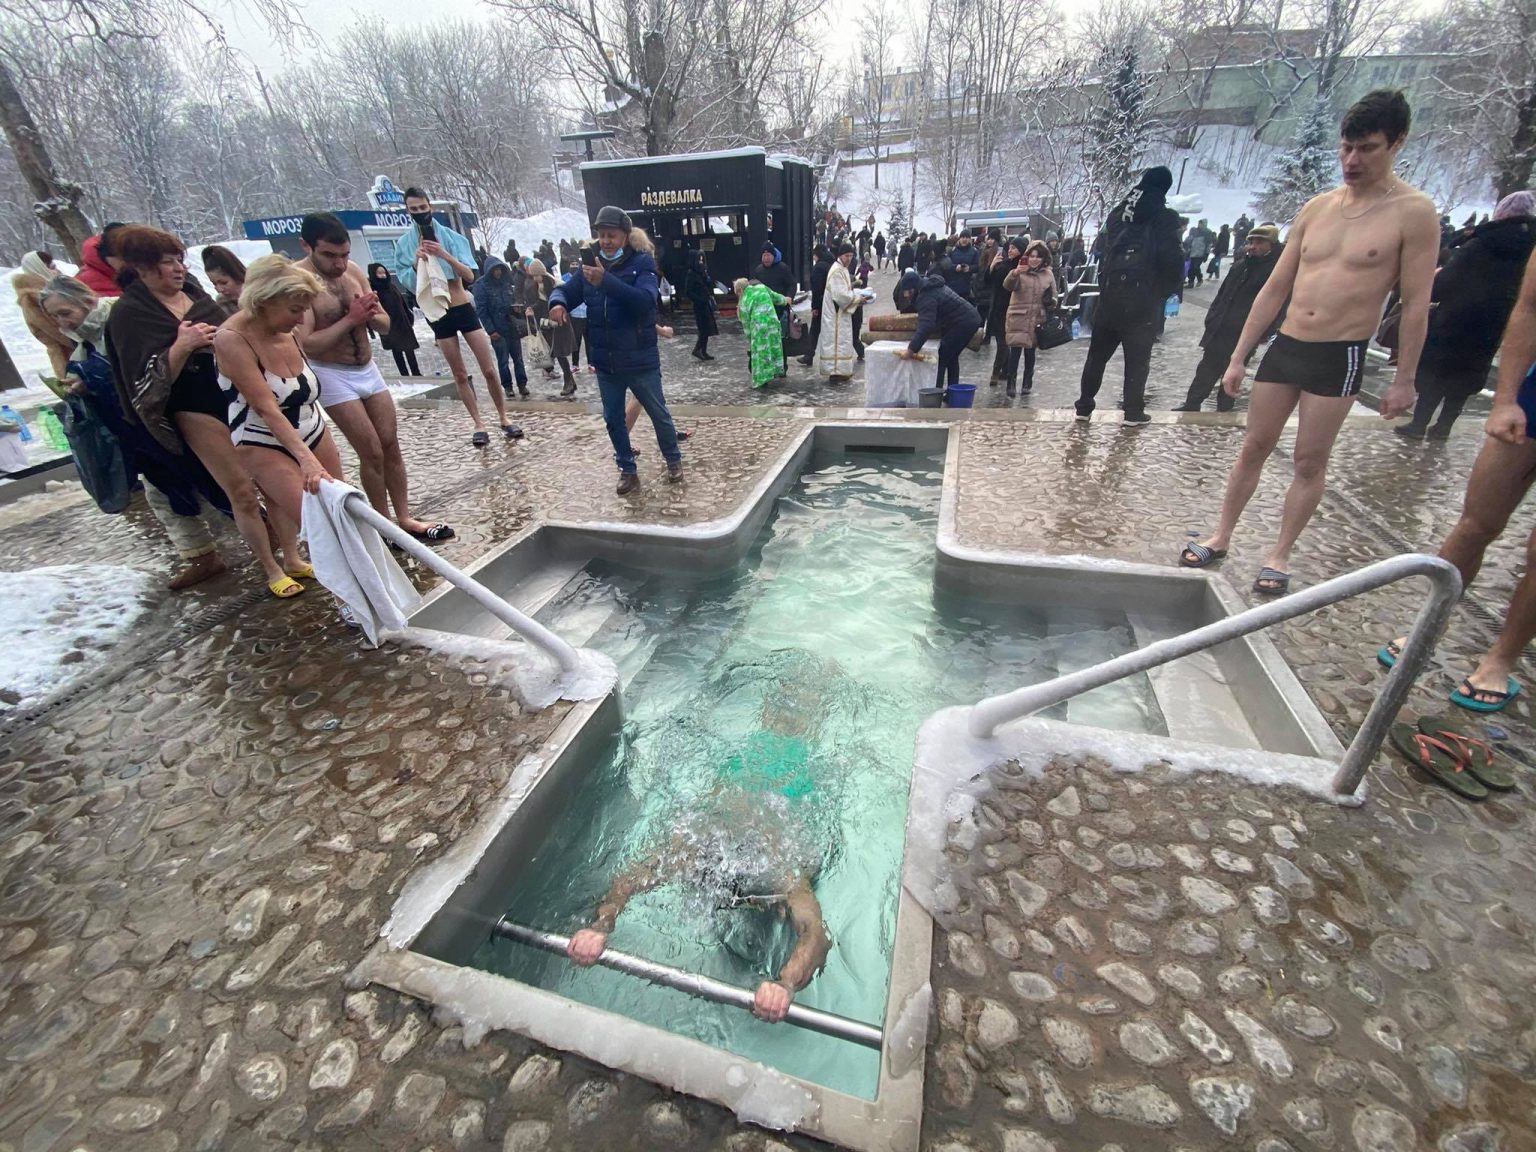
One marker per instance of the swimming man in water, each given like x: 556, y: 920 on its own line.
x: 743, y: 844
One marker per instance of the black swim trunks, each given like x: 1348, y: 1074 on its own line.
x: 459, y: 318
x: 1321, y: 367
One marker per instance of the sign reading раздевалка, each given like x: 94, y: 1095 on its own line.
x: 672, y: 198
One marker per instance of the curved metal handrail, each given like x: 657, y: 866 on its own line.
x: 525, y: 626
x: 988, y: 714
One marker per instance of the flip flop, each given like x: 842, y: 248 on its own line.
x: 1281, y: 580
x: 1477, y: 755
x: 1391, y: 652
x: 433, y: 535
x: 1437, y: 760
x: 302, y: 572
x: 480, y: 439
x: 513, y: 431
x: 1467, y: 697
x: 286, y: 588
x: 1203, y: 555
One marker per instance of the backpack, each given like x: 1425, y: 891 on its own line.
x: 1128, y: 260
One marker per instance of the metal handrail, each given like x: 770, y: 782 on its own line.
x: 704, y: 987
x: 525, y: 626
x: 1445, y: 578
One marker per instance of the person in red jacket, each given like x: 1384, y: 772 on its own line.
x: 96, y: 273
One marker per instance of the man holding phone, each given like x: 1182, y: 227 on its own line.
x: 446, y: 303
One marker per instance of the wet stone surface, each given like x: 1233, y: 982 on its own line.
x: 197, y: 847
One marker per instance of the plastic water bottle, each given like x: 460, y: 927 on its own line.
x: 1172, y: 307
x: 1077, y: 328
x: 53, y: 430
x: 14, y: 417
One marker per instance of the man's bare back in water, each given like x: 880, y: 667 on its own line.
x: 1345, y: 252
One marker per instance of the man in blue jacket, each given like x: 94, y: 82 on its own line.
x: 455, y: 313
x: 620, y: 290
x: 496, y: 303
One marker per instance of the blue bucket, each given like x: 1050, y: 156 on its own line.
x: 961, y: 396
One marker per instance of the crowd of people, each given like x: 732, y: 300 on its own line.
x: 225, y: 403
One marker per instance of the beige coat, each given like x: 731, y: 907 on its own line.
x: 29, y: 290
x: 1029, y: 292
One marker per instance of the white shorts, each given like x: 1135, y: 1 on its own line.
x: 341, y: 383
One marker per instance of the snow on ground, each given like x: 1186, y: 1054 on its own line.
x: 245, y: 250
x: 553, y: 224
x: 62, y: 622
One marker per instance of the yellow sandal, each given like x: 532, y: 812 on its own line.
x: 303, y: 572
x: 286, y: 588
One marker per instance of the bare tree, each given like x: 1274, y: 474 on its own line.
x: 879, y: 57
x: 688, y: 73
x: 1344, y: 30
x: 56, y: 195
x: 1486, y: 96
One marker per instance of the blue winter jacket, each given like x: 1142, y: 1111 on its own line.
x: 940, y: 310
x: 621, y: 314
x: 961, y: 269
x: 496, y: 300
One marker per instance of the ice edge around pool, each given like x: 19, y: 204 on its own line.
x: 1240, y: 694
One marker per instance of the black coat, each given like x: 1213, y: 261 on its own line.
x: 1122, y: 299
x: 401, y: 336
x: 1234, y: 299
x: 776, y: 277
x: 905, y: 257
x: 699, y: 290
x: 940, y: 309
x: 999, y: 295
x: 819, y: 272
x: 1473, y: 296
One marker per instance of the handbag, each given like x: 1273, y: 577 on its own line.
x: 98, y: 455
x: 1054, y: 331
x: 536, y: 351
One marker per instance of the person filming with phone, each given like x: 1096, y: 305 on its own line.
x: 436, y: 264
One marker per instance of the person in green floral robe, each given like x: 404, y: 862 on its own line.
x: 756, y: 304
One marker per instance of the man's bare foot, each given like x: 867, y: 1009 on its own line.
x: 203, y: 568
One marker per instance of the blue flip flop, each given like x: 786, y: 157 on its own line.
x: 1389, y: 654
x: 1467, y: 697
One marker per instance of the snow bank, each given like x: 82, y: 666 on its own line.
x: 553, y: 224
x: 60, y: 623
x: 245, y: 250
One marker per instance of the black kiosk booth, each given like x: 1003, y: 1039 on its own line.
x: 725, y: 204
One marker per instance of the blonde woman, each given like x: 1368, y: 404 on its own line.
x: 275, y: 419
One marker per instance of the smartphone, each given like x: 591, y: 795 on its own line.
x: 589, y: 257
x: 426, y: 229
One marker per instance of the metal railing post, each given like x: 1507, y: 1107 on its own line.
x: 987, y: 715
x: 525, y: 626
x: 1427, y: 629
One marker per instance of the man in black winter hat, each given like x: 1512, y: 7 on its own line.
x: 1143, y: 265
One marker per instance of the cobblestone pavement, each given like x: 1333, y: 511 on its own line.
x: 199, y: 843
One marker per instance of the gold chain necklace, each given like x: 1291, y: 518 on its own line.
x: 1385, y: 196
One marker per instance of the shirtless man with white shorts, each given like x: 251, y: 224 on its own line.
x: 1346, y: 250
x: 334, y: 336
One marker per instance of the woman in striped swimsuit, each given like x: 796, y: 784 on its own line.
x: 275, y: 418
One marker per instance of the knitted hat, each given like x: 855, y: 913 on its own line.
x: 1158, y: 179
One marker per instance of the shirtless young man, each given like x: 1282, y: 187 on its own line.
x: 1345, y: 251
x: 456, y: 260
x: 334, y: 336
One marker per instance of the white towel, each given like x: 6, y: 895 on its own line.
x: 431, y: 288
x: 352, y: 560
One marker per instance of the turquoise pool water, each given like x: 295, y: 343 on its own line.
x: 770, y: 721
